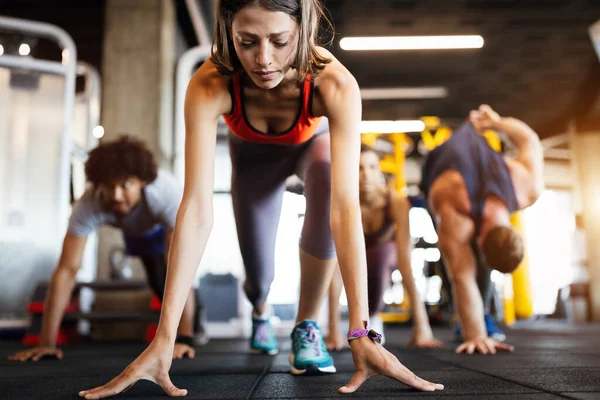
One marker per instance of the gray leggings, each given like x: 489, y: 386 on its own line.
x: 259, y: 172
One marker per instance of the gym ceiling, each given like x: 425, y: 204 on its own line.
x: 537, y: 62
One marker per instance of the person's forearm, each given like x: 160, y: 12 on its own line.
x: 460, y: 265
x: 57, y: 299
x: 470, y: 308
x: 517, y: 131
x: 350, y: 245
x: 189, y: 241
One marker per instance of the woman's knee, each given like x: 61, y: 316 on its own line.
x: 317, y: 181
x: 257, y: 290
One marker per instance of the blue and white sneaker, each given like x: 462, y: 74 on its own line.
x: 457, y: 332
x: 263, y: 340
x: 309, y: 355
x: 492, y: 329
x: 490, y: 326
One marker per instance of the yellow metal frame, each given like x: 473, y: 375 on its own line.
x: 431, y: 141
x: 521, y: 278
x: 392, y: 164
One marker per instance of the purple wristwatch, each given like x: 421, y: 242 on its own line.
x: 370, y: 333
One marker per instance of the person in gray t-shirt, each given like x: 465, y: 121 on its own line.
x: 127, y: 191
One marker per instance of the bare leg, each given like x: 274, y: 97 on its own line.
x: 335, y: 340
x: 315, y: 279
x: 186, y: 324
x: 317, y: 251
x: 318, y: 260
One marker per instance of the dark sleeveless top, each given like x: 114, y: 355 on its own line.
x: 387, y: 226
x: 483, y: 169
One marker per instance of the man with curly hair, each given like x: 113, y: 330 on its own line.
x: 129, y: 192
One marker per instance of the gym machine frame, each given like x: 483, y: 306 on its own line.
x: 67, y: 69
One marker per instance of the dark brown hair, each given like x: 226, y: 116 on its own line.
x: 122, y: 158
x: 503, y: 249
x: 307, y: 13
x: 365, y: 148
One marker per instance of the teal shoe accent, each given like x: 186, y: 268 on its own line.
x: 309, y: 354
x: 263, y: 339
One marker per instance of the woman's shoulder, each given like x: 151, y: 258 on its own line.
x: 395, y: 196
x: 208, y: 83
x: 334, y: 73
x: 398, y: 204
x: 335, y: 84
x: 208, y: 78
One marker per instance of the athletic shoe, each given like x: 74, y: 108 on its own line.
x: 309, y: 355
x: 490, y: 326
x: 492, y: 329
x: 263, y: 339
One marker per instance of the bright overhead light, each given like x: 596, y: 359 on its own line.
x: 391, y: 126
x: 412, y: 42
x: 98, y: 131
x: 1, y: 49
x: 425, y: 92
x: 24, y: 49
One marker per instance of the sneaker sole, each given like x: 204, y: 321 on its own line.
x: 261, y: 351
x: 311, y: 369
x: 496, y: 336
x: 500, y: 337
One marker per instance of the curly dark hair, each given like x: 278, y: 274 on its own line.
x: 119, y: 159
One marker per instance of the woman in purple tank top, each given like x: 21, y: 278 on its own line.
x: 387, y: 239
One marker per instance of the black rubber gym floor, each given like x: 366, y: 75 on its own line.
x: 551, y: 360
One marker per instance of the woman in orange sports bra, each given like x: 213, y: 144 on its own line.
x: 272, y: 83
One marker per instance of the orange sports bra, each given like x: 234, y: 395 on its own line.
x: 302, y: 130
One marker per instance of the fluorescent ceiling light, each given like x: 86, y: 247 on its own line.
x: 431, y: 92
x: 1, y: 49
x: 392, y: 126
x: 412, y: 42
